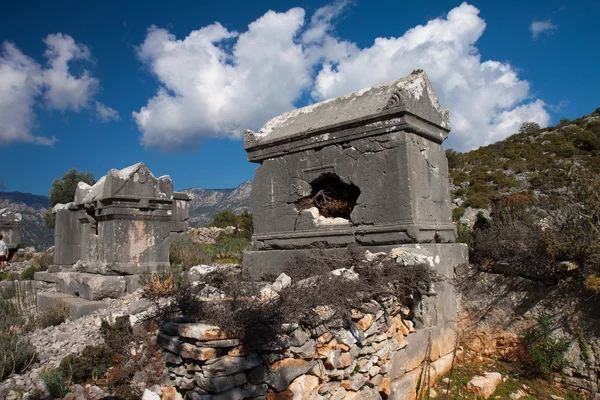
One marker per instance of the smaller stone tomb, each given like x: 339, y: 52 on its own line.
x: 365, y: 168
x: 117, y: 228
x: 10, y: 228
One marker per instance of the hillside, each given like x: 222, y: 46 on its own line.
x: 526, y: 161
x: 31, y: 207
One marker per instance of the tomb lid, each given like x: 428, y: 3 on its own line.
x: 413, y: 95
x: 135, y: 181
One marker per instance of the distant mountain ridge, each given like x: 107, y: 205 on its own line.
x: 204, y: 206
x: 208, y: 202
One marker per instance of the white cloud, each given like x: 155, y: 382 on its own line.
x: 215, y: 82
x: 546, y: 27
x: 63, y: 90
x: 105, y: 113
x: 24, y: 83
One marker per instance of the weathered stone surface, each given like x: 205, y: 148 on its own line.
x: 285, y: 371
x: 307, y: 350
x: 198, y: 353
x: 230, y: 365
x: 139, y: 306
x: 200, y: 331
x: 94, y: 287
x: 484, y: 386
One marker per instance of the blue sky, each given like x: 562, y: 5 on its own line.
x: 100, y: 85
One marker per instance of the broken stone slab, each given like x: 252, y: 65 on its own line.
x: 188, y: 350
x: 194, y: 330
x: 228, y: 365
x: 220, y: 343
x: 484, y: 386
x: 307, y: 350
x: 77, y: 307
x: 44, y: 276
x: 197, y: 272
x: 96, y: 287
x: 139, y: 306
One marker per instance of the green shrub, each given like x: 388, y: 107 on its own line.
x: 81, y: 368
x: 224, y: 219
x: 16, y: 354
x: 187, y: 253
x: 95, y: 360
x: 27, y: 274
x: 477, y: 201
x: 457, y: 213
x: 587, y: 141
x: 55, y: 314
x: 229, y: 247
x: 546, y: 353
x: 55, y: 382
x: 40, y: 262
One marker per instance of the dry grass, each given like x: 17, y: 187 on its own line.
x: 57, y: 313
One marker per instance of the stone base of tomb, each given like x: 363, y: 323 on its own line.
x: 273, y: 262
x: 90, y: 286
x: 78, y: 307
x: 438, y: 313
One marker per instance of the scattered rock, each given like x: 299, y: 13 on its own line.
x: 484, y: 386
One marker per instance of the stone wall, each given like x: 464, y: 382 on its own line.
x: 380, y: 356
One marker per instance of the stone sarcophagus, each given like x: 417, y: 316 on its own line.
x: 365, y: 168
x: 121, y: 225
x: 113, y: 231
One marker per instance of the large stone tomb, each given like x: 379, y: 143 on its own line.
x: 115, y: 230
x: 378, y: 149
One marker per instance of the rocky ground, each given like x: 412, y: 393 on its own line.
x: 55, y: 342
x: 478, y: 378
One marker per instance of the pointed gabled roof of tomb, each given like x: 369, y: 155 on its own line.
x: 133, y: 181
x: 412, y: 94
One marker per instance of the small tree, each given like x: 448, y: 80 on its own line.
x: 454, y: 159
x: 529, y: 127
x: 63, y: 191
x: 224, y: 219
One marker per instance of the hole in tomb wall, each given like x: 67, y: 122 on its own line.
x: 331, y: 196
